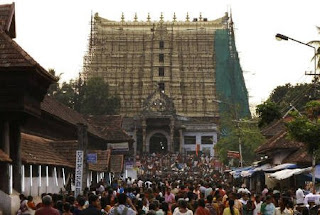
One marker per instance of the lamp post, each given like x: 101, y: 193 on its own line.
x: 283, y: 37
x: 237, y: 120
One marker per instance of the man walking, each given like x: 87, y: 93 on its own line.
x: 47, y: 208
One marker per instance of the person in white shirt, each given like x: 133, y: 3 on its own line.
x: 299, y: 196
x: 121, y: 207
x: 258, y: 204
x: 148, y: 184
x: 140, y: 183
x: 308, y: 197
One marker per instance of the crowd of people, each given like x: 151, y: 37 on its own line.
x: 190, y: 164
x: 173, y: 195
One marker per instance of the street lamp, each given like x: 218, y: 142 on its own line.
x: 283, y: 37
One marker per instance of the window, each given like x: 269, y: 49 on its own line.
x: 190, y: 140
x: 161, y: 71
x: 161, y: 44
x: 161, y: 58
x: 207, y: 140
x: 161, y: 86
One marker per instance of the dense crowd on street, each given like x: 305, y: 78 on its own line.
x: 171, y: 195
x: 175, y: 164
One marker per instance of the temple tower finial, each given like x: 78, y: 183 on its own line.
x: 122, y: 17
x: 187, y: 18
x: 148, y: 18
x: 135, y: 17
x: 174, y: 17
x: 200, y: 17
x: 161, y: 17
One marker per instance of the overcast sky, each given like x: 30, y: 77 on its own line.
x: 55, y: 33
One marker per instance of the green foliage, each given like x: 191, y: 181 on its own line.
x: 267, y: 112
x: 306, y: 128
x: 96, y: 98
x: 250, y: 138
x: 91, y: 97
x: 297, y: 95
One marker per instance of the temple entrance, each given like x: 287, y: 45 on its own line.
x: 158, y: 143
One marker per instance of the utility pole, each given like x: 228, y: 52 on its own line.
x: 315, y: 81
x: 239, y: 141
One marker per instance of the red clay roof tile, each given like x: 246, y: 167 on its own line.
x: 37, y: 150
x: 4, y: 157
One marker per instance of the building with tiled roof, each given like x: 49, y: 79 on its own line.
x: 7, y: 19
x: 280, y: 148
x: 40, y: 135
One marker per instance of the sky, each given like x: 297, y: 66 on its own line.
x: 55, y: 33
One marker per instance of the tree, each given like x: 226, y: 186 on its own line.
x: 250, y: 138
x: 91, y: 97
x: 267, y: 112
x: 306, y: 128
x: 96, y: 98
x: 316, y: 44
x: 296, y: 95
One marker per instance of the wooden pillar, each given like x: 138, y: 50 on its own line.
x: 4, y: 167
x: 15, y: 153
x: 171, y: 147
x: 83, y: 145
x: 144, y: 135
x: 5, y: 138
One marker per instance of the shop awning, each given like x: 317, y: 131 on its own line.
x: 282, y: 167
x: 287, y: 173
x: 236, y: 173
x: 248, y: 173
x: 317, y: 173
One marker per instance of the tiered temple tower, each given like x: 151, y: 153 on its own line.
x: 169, y: 77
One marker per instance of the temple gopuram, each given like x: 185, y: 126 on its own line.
x: 171, y: 76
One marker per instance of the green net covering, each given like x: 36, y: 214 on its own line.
x: 230, y: 84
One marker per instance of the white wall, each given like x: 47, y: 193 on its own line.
x: 279, y: 157
x: 36, y: 190
x: 9, y: 204
x: 198, y: 141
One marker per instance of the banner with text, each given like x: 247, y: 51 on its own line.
x: 79, y: 172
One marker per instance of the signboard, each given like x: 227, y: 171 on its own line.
x: 233, y: 154
x: 119, y: 147
x: 92, y: 158
x: 129, y: 164
x: 116, y: 163
x: 79, y: 172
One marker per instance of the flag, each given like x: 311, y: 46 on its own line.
x: 197, y: 149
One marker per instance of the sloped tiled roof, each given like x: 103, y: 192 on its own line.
x: 13, y: 56
x: 301, y: 156
x: 55, y: 108
x: 37, y: 150
x: 110, y: 127
x: 4, y: 157
x: 274, y: 128
x: 7, y: 17
x: 279, y: 141
x: 68, y: 150
x: 114, y: 121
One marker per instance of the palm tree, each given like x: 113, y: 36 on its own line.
x: 316, y: 44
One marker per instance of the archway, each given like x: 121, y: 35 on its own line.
x: 158, y: 143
